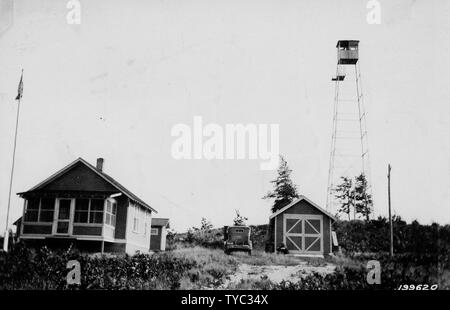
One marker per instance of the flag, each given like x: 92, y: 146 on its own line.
x: 20, y: 88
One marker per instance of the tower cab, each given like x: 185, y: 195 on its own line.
x: 347, y: 52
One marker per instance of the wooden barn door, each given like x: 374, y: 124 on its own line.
x: 303, y: 234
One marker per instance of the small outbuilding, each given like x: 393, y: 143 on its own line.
x: 303, y: 227
x: 159, y: 234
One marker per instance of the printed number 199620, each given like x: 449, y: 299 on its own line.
x: 417, y: 287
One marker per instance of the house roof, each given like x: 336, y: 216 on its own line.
x: 307, y: 200
x: 160, y: 222
x: 105, y: 176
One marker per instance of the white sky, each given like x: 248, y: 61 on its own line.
x: 115, y: 85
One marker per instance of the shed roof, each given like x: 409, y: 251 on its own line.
x: 160, y: 222
x: 106, y: 177
x: 309, y: 201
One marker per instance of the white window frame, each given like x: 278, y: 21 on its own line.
x: 152, y: 231
x: 112, y: 213
x: 39, y: 209
x: 88, y: 223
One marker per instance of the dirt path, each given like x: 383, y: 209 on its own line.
x: 277, y: 273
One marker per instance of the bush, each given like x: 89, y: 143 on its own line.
x: 22, y: 268
x: 212, y: 238
x: 401, y: 269
x: 373, y: 236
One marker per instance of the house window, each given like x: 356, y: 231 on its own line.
x: 89, y: 211
x: 81, y: 211
x: 32, y: 213
x: 96, y: 211
x: 47, y: 209
x: 154, y: 232
x: 136, y: 219
x: 110, y: 214
x: 40, y: 210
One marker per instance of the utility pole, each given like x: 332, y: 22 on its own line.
x: 391, y: 231
x: 19, y: 96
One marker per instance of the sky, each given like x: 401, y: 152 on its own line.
x: 114, y: 86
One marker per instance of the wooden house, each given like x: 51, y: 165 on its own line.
x: 83, y: 206
x: 303, y: 227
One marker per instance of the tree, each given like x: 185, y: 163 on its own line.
x: 352, y: 195
x: 345, y: 195
x: 363, y: 200
x: 239, y: 220
x: 205, y: 225
x: 285, y: 191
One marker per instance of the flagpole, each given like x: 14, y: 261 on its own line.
x: 6, y: 237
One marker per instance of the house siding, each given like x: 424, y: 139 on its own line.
x: 83, y: 230
x: 155, y: 242
x: 114, y: 247
x: 80, y: 178
x: 137, y: 240
x: 303, y: 207
x: 37, y: 229
x: 108, y: 232
x: 121, y: 217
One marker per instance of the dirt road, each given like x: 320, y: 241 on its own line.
x: 277, y: 273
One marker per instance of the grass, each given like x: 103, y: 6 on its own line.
x: 197, y: 267
x: 204, y: 256
x: 252, y: 284
x: 213, y: 267
x: 344, y: 261
x: 210, y: 257
x: 214, y: 270
x: 261, y: 258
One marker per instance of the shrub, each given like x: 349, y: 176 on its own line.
x: 373, y: 236
x: 208, y: 238
x: 22, y: 268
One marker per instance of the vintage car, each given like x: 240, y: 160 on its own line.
x: 237, y: 238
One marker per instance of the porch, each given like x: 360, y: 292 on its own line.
x: 70, y: 216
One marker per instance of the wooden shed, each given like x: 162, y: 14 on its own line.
x: 303, y: 227
x: 159, y: 234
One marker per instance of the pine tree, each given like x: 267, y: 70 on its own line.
x: 285, y: 191
x: 345, y: 195
x: 352, y: 195
x: 363, y: 200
